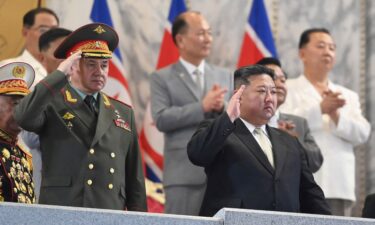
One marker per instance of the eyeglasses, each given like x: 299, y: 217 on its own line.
x: 41, y: 29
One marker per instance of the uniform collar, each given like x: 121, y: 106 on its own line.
x: 83, y: 95
x: 7, y: 137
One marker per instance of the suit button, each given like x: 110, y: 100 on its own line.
x: 113, y: 155
x: 91, y: 166
x: 92, y: 151
x: 110, y: 186
x: 112, y: 171
x: 89, y: 182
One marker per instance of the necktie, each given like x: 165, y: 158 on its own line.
x: 265, y: 144
x: 91, y: 103
x: 198, y: 80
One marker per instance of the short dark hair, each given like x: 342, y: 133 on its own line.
x: 51, y: 35
x: 272, y: 61
x: 305, y: 36
x: 180, y: 25
x: 29, y: 17
x: 241, y: 75
x: 269, y: 61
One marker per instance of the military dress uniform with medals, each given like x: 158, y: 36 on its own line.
x: 16, y: 183
x: 90, y: 153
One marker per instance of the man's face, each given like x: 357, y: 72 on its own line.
x: 320, y: 52
x: 258, y: 101
x: 7, y: 122
x: 280, y: 82
x: 49, y: 61
x: 91, y: 76
x: 195, y: 42
x: 42, y: 23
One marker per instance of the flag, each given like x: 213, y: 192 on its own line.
x: 152, y: 140
x: 257, y: 41
x: 117, y: 85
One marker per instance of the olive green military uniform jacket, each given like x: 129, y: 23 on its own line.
x: 87, y: 161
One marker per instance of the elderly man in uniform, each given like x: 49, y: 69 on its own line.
x: 16, y: 183
x: 89, y: 144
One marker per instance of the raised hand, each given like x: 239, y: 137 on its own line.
x: 233, y: 109
x: 66, y: 66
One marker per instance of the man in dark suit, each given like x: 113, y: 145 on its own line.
x: 294, y: 125
x: 182, y: 95
x: 249, y: 164
x: 90, y: 154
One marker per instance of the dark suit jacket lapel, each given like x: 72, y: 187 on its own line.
x: 247, y: 138
x: 186, y: 79
x: 279, y: 149
x: 105, y: 118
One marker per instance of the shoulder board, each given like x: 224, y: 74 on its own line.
x: 119, y: 101
x: 23, y: 149
x: 29, y: 157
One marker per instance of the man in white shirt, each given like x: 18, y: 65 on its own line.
x: 35, y: 23
x: 334, y: 116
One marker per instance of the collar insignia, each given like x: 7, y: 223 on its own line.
x: 69, y: 97
x: 106, y: 101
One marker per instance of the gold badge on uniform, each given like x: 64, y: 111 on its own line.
x: 99, y: 29
x: 68, y: 116
x: 6, y: 153
x: 19, y: 71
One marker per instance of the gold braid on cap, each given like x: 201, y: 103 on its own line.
x: 93, y: 48
x: 15, y: 87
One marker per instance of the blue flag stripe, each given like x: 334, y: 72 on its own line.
x: 177, y: 7
x: 258, y: 20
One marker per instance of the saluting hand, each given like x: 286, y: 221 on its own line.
x: 233, y: 109
x: 66, y: 66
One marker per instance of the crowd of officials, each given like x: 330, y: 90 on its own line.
x: 250, y: 139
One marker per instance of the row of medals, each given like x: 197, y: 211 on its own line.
x: 21, y: 176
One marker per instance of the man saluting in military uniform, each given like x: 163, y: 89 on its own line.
x: 89, y: 143
x: 16, y: 183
